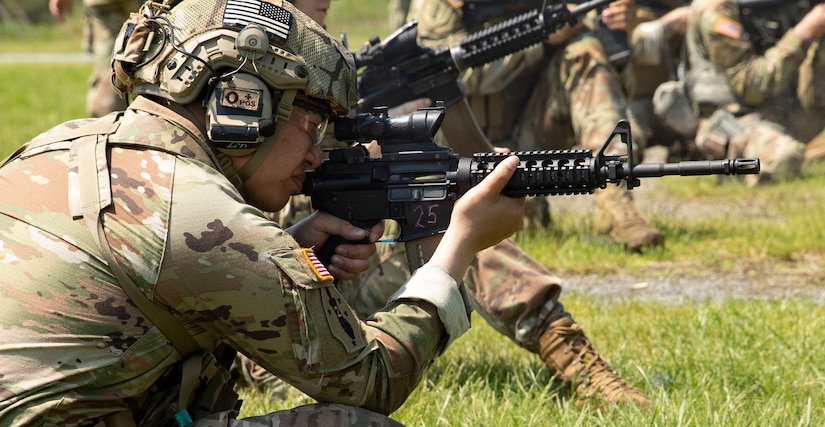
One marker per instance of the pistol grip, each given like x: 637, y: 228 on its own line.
x: 325, y: 252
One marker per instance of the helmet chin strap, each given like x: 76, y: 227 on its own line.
x: 258, y: 157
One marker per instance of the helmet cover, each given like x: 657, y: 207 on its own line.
x: 173, y: 53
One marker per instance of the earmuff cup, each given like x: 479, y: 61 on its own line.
x: 239, y: 114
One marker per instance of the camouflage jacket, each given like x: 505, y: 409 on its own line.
x: 74, y: 348
x: 717, y: 35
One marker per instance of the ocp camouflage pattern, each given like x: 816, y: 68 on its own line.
x: 780, y: 103
x: 74, y: 348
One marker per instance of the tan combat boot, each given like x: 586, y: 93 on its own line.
x: 571, y: 358
x: 616, y: 214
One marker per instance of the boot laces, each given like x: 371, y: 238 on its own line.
x: 589, y: 373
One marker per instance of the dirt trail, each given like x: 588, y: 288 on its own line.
x: 675, y: 288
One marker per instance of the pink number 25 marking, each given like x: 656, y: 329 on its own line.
x: 430, y: 216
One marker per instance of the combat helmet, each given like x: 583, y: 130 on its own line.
x: 234, y: 54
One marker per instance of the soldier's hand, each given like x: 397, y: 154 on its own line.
x: 484, y: 205
x: 620, y: 15
x: 812, y: 26
x: 60, y: 8
x: 349, y: 259
x: 481, y: 218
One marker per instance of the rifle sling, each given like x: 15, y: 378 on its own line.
x: 89, y: 155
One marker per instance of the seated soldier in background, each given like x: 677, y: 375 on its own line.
x: 752, y: 81
x: 656, y: 44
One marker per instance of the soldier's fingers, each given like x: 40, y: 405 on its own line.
x: 347, y: 268
x: 499, y: 177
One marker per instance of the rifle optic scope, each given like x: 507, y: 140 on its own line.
x: 420, y: 125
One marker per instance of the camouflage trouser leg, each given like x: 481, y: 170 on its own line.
x: 298, y: 208
x: 723, y: 135
x: 515, y: 294
x: 307, y: 415
x: 102, y: 26
x: 397, y: 12
x: 575, y: 103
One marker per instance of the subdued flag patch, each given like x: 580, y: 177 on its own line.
x: 276, y: 20
x: 727, y: 27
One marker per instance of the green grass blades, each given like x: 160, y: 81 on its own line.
x: 35, y: 97
x: 725, y: 364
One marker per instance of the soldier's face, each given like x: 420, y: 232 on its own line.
x: 283, y: 171
x: 315, y: 9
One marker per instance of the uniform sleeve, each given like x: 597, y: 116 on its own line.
x: 246, y: 282
x: 440, y: 24
x: 755, y: 78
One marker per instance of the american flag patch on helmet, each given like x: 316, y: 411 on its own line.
x: 317, y: 266
x: 276, y: 20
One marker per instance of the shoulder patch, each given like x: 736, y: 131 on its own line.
x: 727, y: 27
x: 317, y: 266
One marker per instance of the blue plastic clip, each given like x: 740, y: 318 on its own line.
x: 183, y: 419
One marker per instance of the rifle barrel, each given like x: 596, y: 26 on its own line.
x: 697, y: 167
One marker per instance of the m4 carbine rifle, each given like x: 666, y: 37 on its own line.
x: 398, y: 70
x: 416, y: 182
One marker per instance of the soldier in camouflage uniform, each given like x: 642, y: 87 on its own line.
x: 514, y: 293
x: 555, y: 95
x: 656, y: 43
x: 136, y: 250
x: 757, y: 100
x: 102, y: 22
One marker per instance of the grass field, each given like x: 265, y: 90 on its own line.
x: 746, y: 361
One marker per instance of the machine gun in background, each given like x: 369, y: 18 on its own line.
x: 398, y: 70
x: 416, y: 182
x: 764, y: 22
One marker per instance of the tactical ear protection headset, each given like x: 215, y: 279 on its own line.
x: 240, y: 105
x: 239, y: 114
